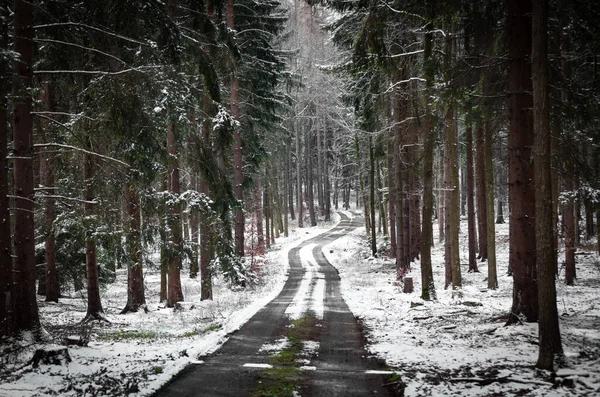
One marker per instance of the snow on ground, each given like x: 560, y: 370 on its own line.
x: 460, y: 346
x: 139, y: 352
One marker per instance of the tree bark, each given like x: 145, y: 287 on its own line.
x: 391, y: 190
x: 238, y: 178
x: 372, y: 197
x: 174, y: 291
x: 472, y: 236
x: 94, y: 305
x: 310, y: 189
x: 298, y: 177
x: 550, y: 346
x: 136, y: 298
x: 427, y: 285
x: 453, y: 212
x: 7, y: 324
x: 522, y: 251
x: 481, y: 191
x: 47, y: 161
x: 25, y: 311
x: 489, y: 197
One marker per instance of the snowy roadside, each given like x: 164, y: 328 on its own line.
x: 139, y: 352
x: 460, y: 346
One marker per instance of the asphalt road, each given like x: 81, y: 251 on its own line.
x: 336, y: 365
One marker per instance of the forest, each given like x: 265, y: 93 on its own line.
x: 183, y: 139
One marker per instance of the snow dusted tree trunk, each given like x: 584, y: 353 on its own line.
x: 46, y: 161
x: 550, y: 346
x: 6, y: 262
x: 267, y: 209
x: 136, y: 298
x: 310, y: 197
x: 286, y: 202
x: 238, y: 177
x: 363, y: 191
x: 522, y: 249
x: 25, y: 312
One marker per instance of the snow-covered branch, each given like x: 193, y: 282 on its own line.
x: 83, y: 151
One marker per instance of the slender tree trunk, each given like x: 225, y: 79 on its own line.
x: 481, y: 190
x: 569, y: 224
x: 471, y: 201
x: 206, y: 292
x: 327, y: 192
x: 164, y: 249
x: 489, y: 197
x: 550, y: 346
x: 174, y: 291
x: 285, y: 196
x: 522, y: 251
x: 391, y: 189
x: 260, y: 237
x: 238, y: 177
x: 453, y: 213
x: 7, y: 324
x: 94, y: 306
x: 363, y: 191
x: 500, y: 213
x: 267, y: 210
x: 299, y: 177
x: 310, y: 189
x: 427, y: 285
x: 372, y: 197
x: 290, y: 189
x: 381, y: 200
x: 47, y: 161
x: 135, y: 277
x: 441, y: 197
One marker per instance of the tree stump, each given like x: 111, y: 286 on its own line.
x: 58, y: 355
x: 408, y: 285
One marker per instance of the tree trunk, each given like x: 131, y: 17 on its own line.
x: 381, y: 201
x: 290, y: 184
x: 363, y: 191
x: 174, y: 291
x: 260, y: 237
x: 238, y: 177
x: 25, y: 312
x: 310, y: 189
x: 391, y: 191
x: 427, y: 285
x: 489, y: 197
x: 453, y: 212
x: 47, y: 161
x: 471, y: 202
x: 6, y: 316
x: 327, y: 192
x: 550, y: 346
x: 285, y: 197
x: 299, y: 178
x: 94, y: 305
x: 500, y: 213
x: 267, y: 210
x: 135, y: 277
x: 372, y: 197
x: 569, y: 224
x: 205, y: 244
x: 522, y: 249
x: 481, y: 191
x: 164, y: 245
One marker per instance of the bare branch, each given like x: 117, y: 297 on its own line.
x: 82, y: 47
x: 82, y: 150
x: 51, y: 25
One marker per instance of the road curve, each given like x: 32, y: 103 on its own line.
x: 339, y: 367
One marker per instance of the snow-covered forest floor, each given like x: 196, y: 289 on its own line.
x: 453, y: 346
x: 460, y: 346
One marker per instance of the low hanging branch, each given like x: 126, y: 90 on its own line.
x: 83, y: 151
